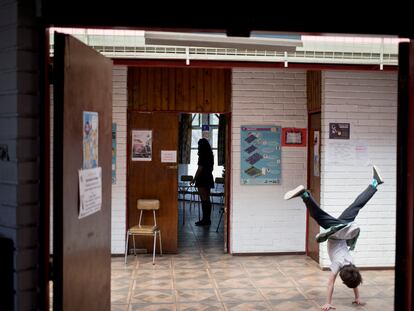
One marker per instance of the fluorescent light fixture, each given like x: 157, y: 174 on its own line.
x: 221, y: 41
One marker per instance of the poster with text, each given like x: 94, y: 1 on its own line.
x: 141, y: 145
x: 90, y: 139
x: 260, y: 158
x: 90, y: 191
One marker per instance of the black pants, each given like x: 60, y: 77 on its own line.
x: 326, y: 221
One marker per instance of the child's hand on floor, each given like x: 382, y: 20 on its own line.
x: 327, y: 307
x: 358, y: 302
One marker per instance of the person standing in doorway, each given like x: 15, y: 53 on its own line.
x: 203, y: 179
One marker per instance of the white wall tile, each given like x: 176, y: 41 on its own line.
x: 119, y: 115
x: 368, y: 101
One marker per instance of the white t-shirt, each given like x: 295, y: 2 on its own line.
x: 338, y: 254
x: 338, y: 249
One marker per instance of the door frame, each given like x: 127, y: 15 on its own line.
x: 309, y: 220
x: 227, y: 185
x: 52, y: 15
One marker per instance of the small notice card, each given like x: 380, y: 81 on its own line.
x: 90, y: 191
x: 168, y: 156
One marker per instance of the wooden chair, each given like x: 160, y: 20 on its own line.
x: 149, y: 230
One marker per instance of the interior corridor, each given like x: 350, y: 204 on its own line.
x: 201, y: 277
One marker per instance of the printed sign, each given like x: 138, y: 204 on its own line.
x: 339, y: 130
x: 168, y: 156
x: 293, y: 137
x: 90, y: 191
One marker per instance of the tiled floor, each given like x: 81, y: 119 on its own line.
x: 201, y: 277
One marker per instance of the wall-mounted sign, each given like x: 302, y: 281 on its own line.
x: 294, y: 137
x: 339, y: 130
x: 168, y: 156
x: 260, y: 158
x: 90, y: 191
x: 141, y: 145
x: 205, y: 132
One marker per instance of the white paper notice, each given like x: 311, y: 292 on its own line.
x: 168, y: 156
x: 90, y: 191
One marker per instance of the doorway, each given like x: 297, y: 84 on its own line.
x: 201, y: 93
x: 213, y: 127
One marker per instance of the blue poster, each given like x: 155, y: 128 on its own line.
x: 261, y: 154
x: 113, y: 153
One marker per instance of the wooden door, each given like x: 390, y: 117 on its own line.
x: 314, y: 146
x: 82, y: 252
x: 151, y: 178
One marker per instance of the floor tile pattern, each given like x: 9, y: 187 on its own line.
x: 202, y: 277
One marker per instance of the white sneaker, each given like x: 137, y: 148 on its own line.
x: 294, y: 193
x: 376, y: 175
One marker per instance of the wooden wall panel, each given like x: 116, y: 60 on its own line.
x: 154, y: 179
x: 179, y: 89
x: 314, y: 90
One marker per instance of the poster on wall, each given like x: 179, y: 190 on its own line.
x: 90, y: 139
x: 113, y: 153
x: 316, y: 157
x: 141, y: 145
x: 90, y: 191
x: 260, y: 158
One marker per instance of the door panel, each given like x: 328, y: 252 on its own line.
x: 153, y: 179
x: 82, y: 252
x: 312, y: 247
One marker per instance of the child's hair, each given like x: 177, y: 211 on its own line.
x: 350, y: 275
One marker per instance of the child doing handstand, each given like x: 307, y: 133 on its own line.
x: 341, y: 234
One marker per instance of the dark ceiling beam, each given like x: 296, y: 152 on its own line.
x: 287, y: 17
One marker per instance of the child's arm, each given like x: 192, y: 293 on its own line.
x: 357, y: 300
x: 329, y: 292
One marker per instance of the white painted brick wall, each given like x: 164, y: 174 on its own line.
x: 19, y: 177
x: 261, y: 221
x: 368, y: 101
x: 119, y: 115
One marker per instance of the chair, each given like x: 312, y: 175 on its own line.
x: 184, y: 186
x: 218, y: 192
x: 184, y: 189
x: 140, y: 229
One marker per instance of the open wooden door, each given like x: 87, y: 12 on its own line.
x: 312, y: 247
x: 152, y: 173
x: 82, y: 252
